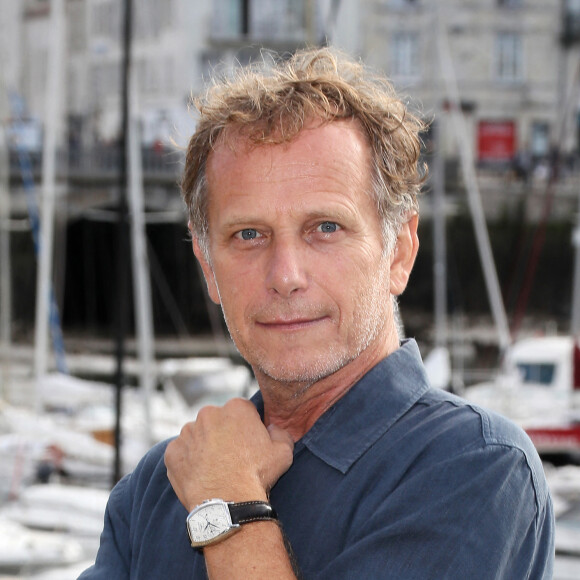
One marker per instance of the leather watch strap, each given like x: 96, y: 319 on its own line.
x: 251, y: 511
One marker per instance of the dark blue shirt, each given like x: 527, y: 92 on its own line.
x: 397, y: 480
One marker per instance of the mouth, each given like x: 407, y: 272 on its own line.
x: 290, y: 324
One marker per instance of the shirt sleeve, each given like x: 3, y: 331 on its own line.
x: 114, y: 555
x: 481, y: 515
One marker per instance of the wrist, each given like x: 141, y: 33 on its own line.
x: 214, y: 520
x: 234, y: 492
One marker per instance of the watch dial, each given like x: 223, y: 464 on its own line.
x: 209, y: 522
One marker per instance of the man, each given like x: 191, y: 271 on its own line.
x: 301, y: 183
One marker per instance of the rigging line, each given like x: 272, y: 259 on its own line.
x: 165, y: 292
x: 517, y: 265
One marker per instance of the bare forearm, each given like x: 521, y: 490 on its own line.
x: 258, y: 551
x: 228, y: 453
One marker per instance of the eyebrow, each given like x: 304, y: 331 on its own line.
x: 338, y: 214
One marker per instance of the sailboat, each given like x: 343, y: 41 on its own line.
x: 539, y: 388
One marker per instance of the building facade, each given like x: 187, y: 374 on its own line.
x: 512, y: 66
x: 175, y: 46
x: 515, y: 63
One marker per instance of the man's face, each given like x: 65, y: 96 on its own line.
x: 298, y: 263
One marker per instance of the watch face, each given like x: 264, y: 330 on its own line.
x: 209, y: 521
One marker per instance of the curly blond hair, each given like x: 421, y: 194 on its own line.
x: 271, y: 102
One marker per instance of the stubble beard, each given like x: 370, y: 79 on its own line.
x: 369, y: 323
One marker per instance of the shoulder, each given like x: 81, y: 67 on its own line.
x: 479, y: 425
x: 452, y: 473
x: 464, y: 428
x: 147, y: 479
x: 152, y: 462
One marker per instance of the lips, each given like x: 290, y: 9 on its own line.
x: 297, y: 323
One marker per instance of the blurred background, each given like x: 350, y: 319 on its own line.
x: 108, y: 341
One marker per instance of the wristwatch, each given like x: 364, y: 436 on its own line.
x: 216, y: 519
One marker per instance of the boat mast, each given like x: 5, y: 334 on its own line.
x: 5, y: 265
x: 140, y: 259
x: 439, y: 237
x: 44, y: 306
x: 122, y: 237
x: 472, y: 187
x: 575, y: 323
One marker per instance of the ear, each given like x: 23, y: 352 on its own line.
x: 403, y: 256
x: 207, y: 272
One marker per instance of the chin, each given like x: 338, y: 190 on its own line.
x: 304, y: 372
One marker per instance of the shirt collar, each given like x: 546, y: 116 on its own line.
x: 368, y: 410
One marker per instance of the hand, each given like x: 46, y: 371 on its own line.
x: 227, y: 453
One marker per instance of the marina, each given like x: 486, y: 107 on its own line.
x: 56, y: 468
x: 109, y: 343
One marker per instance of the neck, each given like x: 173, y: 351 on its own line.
x: 297, y: 412
x: 295, y: 407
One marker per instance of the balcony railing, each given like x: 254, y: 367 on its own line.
x: 99, y: 163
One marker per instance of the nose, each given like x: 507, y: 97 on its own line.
x: 286, y: 271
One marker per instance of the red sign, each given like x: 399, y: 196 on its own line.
x: 496, y: 140
x: 556, y: 439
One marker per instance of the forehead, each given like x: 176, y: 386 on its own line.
x: 339, y: 148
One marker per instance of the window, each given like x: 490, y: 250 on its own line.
x: 405, y: 55
x: 509, y: 3
x: 570, y: 22
x: 230, y: 18
x: 542, y: 374
x: 151, y: 18
x: 508, y: 57
x: 260, y: 19
x: 403, y: 3
x: 105, y: 80
x: 540, y: 139
x: 106, y: 19
x: 77, y: 35
x: 280, y: 20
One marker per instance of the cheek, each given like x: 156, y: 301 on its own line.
x: 238, y: 276
x: 372, y: 294
x: 354, y: 286
x: 236, y: 299
x: 366, y: 269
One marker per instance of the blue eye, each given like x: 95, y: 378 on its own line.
x: 328, y: 227
x: 248, y: 234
